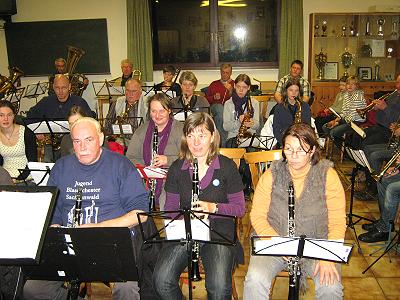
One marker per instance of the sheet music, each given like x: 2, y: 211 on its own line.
x: 180, y: 116
x: 152, y: 172
x: 176, y: 229
x: 126, y: 129
x: 56, y: 127
x: 276, y: 246
x: 38, y: 175
x: 360, y: 158
x: 358, y: 130
x: 21, y: 239
x: 335, y: 112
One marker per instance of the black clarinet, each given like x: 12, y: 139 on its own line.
x: 293, y: 263
x: 76, y: 221
x: 153, y: 182
x: 195, y: 270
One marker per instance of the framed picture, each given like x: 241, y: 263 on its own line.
x: 331, y: 71
x: 365, y: 73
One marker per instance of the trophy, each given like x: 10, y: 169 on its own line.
x: 344, y: 30
x: 352, y: 29
x: 324, y: 28
x: 394, y: 34
x: 390, y: 51
x: 320, y: 61
x: 377, y: 70
x: 316, y: 27
x: 347, y: 61
x: 381, y: 21
x: 367, y: 28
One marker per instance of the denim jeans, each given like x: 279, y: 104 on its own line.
x: 337, y: 133
x: 263, y: 269
x: 218, y: 262
x: 389, y: 198
x: 217, y: 111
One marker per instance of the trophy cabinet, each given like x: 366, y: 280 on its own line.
x: 363, y: 44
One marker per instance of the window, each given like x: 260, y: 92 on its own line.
x: 198, y: 33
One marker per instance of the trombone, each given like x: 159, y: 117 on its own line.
x: 363, y: 111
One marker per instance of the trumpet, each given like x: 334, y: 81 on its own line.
x: 394, y: 158
x: 363, y: 111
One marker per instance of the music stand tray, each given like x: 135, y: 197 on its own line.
x: 86, y: 254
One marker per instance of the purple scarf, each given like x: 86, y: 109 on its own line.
x: 163, y: 137
x: 238, y: 102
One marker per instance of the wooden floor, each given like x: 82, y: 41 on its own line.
x: 382, y: 281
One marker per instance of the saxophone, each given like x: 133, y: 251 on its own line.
x: 122, y: 120
x: 297, y: 116
x: 77, y: 217
x: 153, y: 182
x: 243, y: 131
x: 293, y: 263
x: 195, y: 270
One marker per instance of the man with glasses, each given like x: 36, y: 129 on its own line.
x: 127, y: 109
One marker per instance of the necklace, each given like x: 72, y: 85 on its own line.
x: 12, y: 133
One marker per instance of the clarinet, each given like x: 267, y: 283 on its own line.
x: 293, y: 263
x: 195, y: 271
x: 153, y: 182
x: 76, y: 221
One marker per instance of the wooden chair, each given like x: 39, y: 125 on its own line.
x: 258, y: 162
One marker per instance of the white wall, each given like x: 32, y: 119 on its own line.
x: 115, y: 12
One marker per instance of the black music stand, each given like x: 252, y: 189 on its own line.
x: 300, y: 247
x: 107, y: 89
x: 181, y: 113
x: 359, y: 158
x: 85, y: 255
x: 15, y: 96
x: 36, y: 89
x: 39, y: 171
x: 182, y: 231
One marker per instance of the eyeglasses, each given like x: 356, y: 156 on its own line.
x: 301, y: 152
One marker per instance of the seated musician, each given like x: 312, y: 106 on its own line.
x: 169, y: 136
x: 291, y: 110
x: 353, y: 100
x: 319, y: 213
x: 127, y: 72
x: 387, y: 114
x: 188, y: 102
x: 56, y: 107
x: 388, y: 200
x: 17, y: 143
x: 220, y: 192
x: 118, y: 197
x: 127, y: 109
x: 74, y: 114
x: 236, y: 108
x: 168, y: 84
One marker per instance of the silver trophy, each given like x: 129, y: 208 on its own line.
x: 367, y: 28
x: 394, y: 35
x: 344, y: 30
x: 347, y: 61
x: 320, y: 61
x: 377, y: 70
x: 381, y: 21
x: 324, y: 28
x: 316, y: 28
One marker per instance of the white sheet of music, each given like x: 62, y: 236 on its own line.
x: 276, y: 246
x: 22, y: 219
x: 154, y: 173
x: 335, y: 112
x: 180, y: 116
x: 175, y: 230
x: 56, y: 127
x: 38, y: 175
x: 126, y: 129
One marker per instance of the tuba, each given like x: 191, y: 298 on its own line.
x: 76, y: 79
x: 243, y: 131
x: 8, y: 84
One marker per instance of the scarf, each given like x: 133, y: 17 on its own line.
x: 239, y: 102
x: 163, y: 137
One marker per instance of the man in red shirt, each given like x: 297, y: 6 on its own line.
x: 217, y: 94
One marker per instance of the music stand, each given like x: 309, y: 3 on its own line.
x: 181, y: 113
x: 15, y: 97
x: 185, y: 227
x: 36, y: 89
x: 301, y: 247
x: 86, y: 255
x: 359, y: 158
x: 107, y: 89
x: 22, y: 242
x: 40, y: 172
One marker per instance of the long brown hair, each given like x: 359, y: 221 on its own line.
x: 199, y: 119
x: 307, y: 137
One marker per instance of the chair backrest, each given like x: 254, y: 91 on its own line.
x: 259, y: 161
x: 233, y: 153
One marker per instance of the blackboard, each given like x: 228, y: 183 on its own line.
x: 33, y: 46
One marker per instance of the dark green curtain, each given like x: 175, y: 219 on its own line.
x: 139, y: 37
x: 291, y: 34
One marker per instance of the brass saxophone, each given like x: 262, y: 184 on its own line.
x: 77, y: 217
x: 153, y: 182
x: 195, y: 270
x: 124, y: 119
x: 293, y: 263
x: 297, y: 116
x: 243, y: 131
